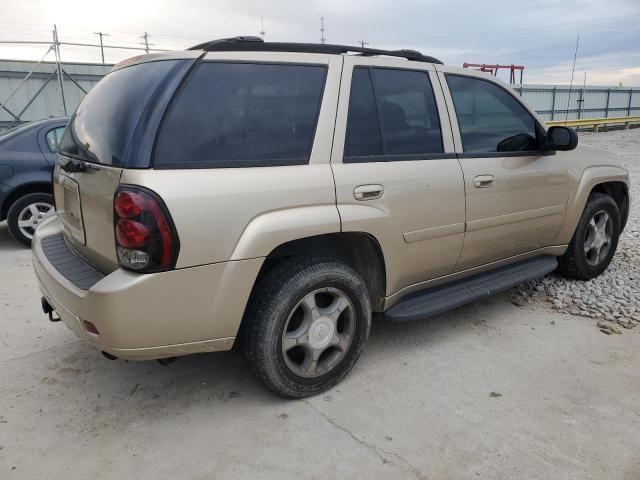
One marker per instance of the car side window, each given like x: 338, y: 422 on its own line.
x: 490, y: 119
x: 53, y: 138
x: 392, y: 116
x: 242, y: 115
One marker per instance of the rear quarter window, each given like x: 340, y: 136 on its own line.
x: 53, y: 137
x: 102, y: 126
x: 242, y: 115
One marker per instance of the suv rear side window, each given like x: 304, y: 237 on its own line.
x: 104, y: 122
x: 392, y: 116
x: 490, y: 119
x: 242, y: 115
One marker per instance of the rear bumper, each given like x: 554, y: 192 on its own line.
x: 148, y: 316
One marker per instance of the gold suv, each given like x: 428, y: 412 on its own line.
x: 275, y: 195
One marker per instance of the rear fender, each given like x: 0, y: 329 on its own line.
x: 269, y: 230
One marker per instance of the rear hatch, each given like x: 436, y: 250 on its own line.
x: 112, y: 129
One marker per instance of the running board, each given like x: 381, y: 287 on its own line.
x: 436, y: 300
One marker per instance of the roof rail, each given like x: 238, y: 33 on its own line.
x: 256, y: 44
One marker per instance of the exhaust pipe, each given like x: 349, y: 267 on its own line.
x: 109, y: 356
x: 48, y: 310
x: 167, y: 361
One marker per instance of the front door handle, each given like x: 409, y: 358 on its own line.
x: 368, y: 192
x: 483, y: 181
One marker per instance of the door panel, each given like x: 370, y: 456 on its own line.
x: 522, y: 211
x: 516, y: 197
x: 418, y: 218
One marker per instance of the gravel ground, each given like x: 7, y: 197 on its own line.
x: 614, y: 297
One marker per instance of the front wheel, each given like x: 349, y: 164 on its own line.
x: 594, y: 241
x: 305, y: 326
x: 26, y: 213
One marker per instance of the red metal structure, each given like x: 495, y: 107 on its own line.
x: 493, y: 69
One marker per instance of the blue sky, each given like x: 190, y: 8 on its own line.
x: 540, y: 34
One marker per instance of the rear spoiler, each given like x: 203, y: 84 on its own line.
x: 154, y: 57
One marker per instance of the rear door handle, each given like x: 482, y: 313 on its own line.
x: 483, y: 181
x: 368, y: 192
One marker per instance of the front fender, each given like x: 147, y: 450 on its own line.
x: 591, y: 177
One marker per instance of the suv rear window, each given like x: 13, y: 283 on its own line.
x: 103, y: 124
x: 242, y: 115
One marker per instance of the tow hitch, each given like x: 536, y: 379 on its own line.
x: 48, y: 310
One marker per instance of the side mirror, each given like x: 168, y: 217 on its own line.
x: 561, y: 138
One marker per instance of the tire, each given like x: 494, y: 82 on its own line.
x: 26, y: 213
x: 280, y: 309
x: 583, y: 260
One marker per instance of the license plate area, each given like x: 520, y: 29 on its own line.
x: 69, y: 208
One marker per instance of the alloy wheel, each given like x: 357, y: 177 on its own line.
x: 31, y: 216
x: 318, y: 332
x: 598, y: 238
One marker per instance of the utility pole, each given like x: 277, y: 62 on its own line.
x: 363, y: 43
x: 146, y: 43
x: 262, y: 32
x: 100, y: 34
x: 322, y: 39
x: 56, y: 49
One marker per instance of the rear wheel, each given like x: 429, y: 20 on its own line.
x: 306, y: 325
x: 27, y: 213
x: 594, y: 241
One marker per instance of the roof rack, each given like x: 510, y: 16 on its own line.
x: 256, y: 44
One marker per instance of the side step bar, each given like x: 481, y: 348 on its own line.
x: 436, y: 300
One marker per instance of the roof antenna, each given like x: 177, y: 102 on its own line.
x: 262, y: 32
x: 575, y: 55
x: 363, y: 43
x: 322, y: 39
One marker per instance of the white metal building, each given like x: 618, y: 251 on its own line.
x: 38, y: 95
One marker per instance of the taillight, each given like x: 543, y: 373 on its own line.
x: 146, y: 239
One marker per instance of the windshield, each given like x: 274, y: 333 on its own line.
x: 102, y: 126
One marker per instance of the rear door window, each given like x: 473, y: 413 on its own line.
x: 392, y: 116
x: 242, y: 115
x: 489, y: 118
x: 363, y: 128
